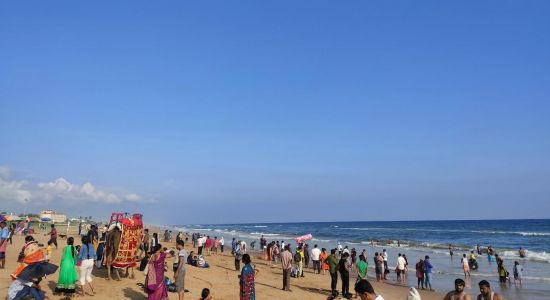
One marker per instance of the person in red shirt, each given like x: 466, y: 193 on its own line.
x: 53, y: 236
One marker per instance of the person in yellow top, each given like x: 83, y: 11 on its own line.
x: 48, y: 251
x: 299, y: 262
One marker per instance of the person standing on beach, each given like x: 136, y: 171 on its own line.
x: 179, y: 273
x: 332, y: 262
x: 315, y: 253
x: 451, y: 250
x: 53, y: 235
x: 246, y: 280
x: 86, y: 257
x: 344, y: 266
x: 286, y: 263
x: 420, y: 273
x: 208, y: 245
x: 306, y: 256
x: 155, y: 285
x: 478, y: 248
x: 400, y: 268
x: 322, y: 258
x: 385, y: 257
x: 458, y: 293
x: 465, y: 265
x: 154, y: 241
x: 380, y: 262
x: 238, y: 256
x: 428, y: 273
x: 200, y: 243
x: 222, y: 242
x: 145, y: 241
x: 4, y: 235
x: 67, y: 272
x: 486, y: 293
x: 362, y: 267
x: 299, y: 260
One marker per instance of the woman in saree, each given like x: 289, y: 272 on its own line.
x: 30, y: 253
x: 247, y: 278
x: 322, y: 257
x: 67, y: 271
x: 155, y: 285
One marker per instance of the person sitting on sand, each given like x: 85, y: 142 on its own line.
x: 192, y: 259
x: 201, y: 262
x: 365, y: 291
x: 486, y: 293
x: 458, y: 293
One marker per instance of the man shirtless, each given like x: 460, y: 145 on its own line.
x: 486, y: 293
x: 458, y: 293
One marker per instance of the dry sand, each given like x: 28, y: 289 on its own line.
x: 220, y: 278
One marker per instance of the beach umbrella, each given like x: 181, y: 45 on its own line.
x: 37, y: 270
x: 2, y: 218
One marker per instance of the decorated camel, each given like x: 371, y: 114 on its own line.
x: 122, y: 242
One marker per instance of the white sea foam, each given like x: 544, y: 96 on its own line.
x: 320, y: 240
x: 263, y: 233
x: 260, y: 226
x: 529, y: 255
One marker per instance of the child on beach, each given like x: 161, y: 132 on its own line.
x: 518, y: 274
x: 48, y: 251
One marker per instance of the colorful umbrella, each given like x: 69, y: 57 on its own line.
x: 37, y: 270
x: 2, y: 218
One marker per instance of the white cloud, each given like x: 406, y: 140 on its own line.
x: 62, y: 188
x: 5, y: 172
x: 12, y: 190
x: 132, y: 197
x: 15, y: 192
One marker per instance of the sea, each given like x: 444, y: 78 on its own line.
x: 416, y: 239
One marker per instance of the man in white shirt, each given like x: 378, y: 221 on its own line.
x: 385, y: 256
x: 401, y: 262
x: 221, y: 242
x: 200, y: 243
x: 315, y: 252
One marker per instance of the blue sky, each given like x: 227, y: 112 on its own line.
x: 276, y: 111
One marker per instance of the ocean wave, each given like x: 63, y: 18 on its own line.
x: 522, y: 233
x: 320, y: 240
x: 529, y: 255
x: 260, y: 226
x: 266, y: 234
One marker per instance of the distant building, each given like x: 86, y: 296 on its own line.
x: 52, y: 216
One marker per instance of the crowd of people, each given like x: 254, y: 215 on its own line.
x: 74, y: 257
x: 341, y: 263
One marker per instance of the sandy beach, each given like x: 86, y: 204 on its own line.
x: 220, y: 278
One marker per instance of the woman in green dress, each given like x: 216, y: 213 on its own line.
x: 67, y: 271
